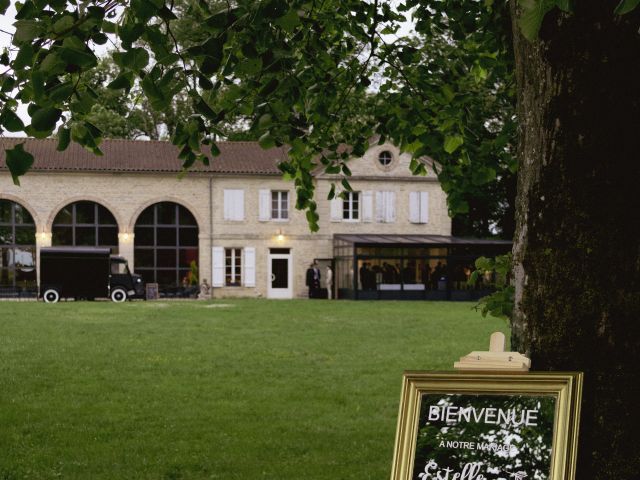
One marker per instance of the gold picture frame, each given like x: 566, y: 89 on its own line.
x: 554, y: 400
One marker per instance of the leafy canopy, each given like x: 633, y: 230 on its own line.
x: 311, y: 75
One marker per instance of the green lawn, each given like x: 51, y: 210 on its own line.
x: 238, y: 389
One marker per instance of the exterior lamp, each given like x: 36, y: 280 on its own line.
x: 280, y: 235
x: 125, y: 237
x: 44, y: 236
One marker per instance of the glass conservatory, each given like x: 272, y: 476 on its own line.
x: 412, y: 267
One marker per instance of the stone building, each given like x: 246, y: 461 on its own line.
x: 233, y: 222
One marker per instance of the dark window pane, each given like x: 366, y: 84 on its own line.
x: 143, y: 258
x: 189, y: 237
x: 62, y: 236
x: 166, y: 213
x: 108, y: 236
x: 167, y: 278
x: 185, y: 277
x: 64, y: 216
x: 166, y: 258
x: 26, y: 235
x: 7, y: 277
x: 105, y: 217
x: 6, y: 235
x: 146, y: 217
x: 5, y: 211
x: 85, y: 212
x: 22, y: 215
x: 166, y: 236
x: 86, y: 236
x: 144, y: 235
x: 186, y: 218
x: 148, y: 274
x: 188, y: 255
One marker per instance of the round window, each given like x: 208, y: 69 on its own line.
x: 385, y: 158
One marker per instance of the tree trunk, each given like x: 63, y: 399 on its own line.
x: 576, y: 250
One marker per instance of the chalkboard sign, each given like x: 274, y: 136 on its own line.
x: 152, y: 292
x: 487, y: 426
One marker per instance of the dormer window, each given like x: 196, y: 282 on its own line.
x: 385, y: 158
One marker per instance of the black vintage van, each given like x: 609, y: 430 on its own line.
x: 86, y: 273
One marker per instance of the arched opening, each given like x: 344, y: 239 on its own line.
x: 166, y: 246
x: 85, y: 223
x: 18, y: 276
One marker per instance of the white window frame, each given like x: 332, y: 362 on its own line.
x: 281, y: 200
x: 236, y: 261
x: 349, y: 213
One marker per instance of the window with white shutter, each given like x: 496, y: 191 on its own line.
x: 234, y: 205
x: 249, y: 267
x: 385, y: 207
x: 232, y: 267
x: 418, y: 207
x: 367, y: 206
x: 279, y: 205
x: 336, y: 209
x: 217, y: 260
x: 264, y: 205
x: 351, y: 206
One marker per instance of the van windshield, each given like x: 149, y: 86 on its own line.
x: 119, y: 267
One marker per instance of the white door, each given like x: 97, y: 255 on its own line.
x: 280, y: 276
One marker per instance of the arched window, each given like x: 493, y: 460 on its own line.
x: 85, y: 224
x: 17, y: 250
x: 166, y: 245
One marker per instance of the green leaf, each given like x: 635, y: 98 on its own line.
x: 11, y: 121
x: 61, y: 92
x: 135, y: 59
x: 249, y: 66
x: 290, y: 21
x: 626, y: 6
x: 122, y: 81
x: 266, y: 141
x: 45, y: 119
x: 4, y: 4
x: 64, y: 137
x: 65, y: 23
x: 26, y: 31
x: 532, y: 14
x: 18, y: 161
x: 452, y: 143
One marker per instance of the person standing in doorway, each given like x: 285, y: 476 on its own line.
x: 316, y: 280
x: 309, y: 280
x: 329, y: 280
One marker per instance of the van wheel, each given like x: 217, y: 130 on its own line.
x: 51, y: 295
x: 118, y: 295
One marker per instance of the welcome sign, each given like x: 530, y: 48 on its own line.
x: 487, y: 426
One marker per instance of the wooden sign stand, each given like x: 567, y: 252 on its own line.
x: 495, y: 359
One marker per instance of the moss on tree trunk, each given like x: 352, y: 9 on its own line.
x: 577, y: 248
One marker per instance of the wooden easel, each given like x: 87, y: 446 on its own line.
x: 495, y: 359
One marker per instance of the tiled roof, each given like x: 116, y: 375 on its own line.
x: 145, y: 156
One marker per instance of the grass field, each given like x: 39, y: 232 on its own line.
x: 239, y: 389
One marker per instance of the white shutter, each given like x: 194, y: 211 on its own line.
x: 234, y: 205
x: 379, y: 206
x: 238, y: 205
x: 227, y: 204
x: 390, y: 207
x: 336, y: 209
x: 249, y: 267
x: 424, y: 207
x: 414, y: 207
x: 367, y: 206
x: 217, y: 256
x: 264, y: 207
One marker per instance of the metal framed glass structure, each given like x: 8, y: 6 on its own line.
x: 18, y: 275
x: 166, y: 246
x: 87, y: 224
x: 412, y: 267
